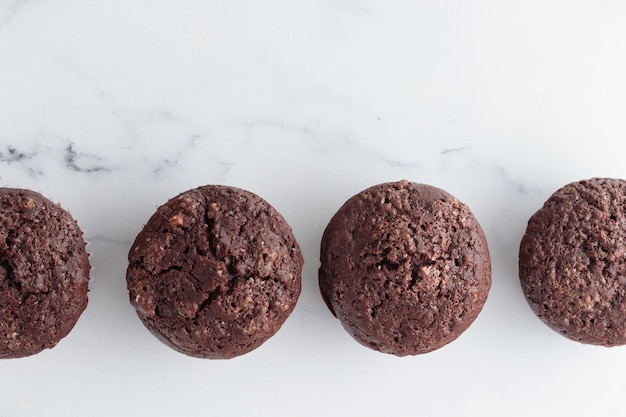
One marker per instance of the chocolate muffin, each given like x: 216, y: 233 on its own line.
x: 405, y: 267
x: 215, y: 272
x: 44, y: 273
x: 572, y: 261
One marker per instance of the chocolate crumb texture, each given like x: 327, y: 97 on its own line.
x: 44, y: 273
x: 572, y: 263
x: 215, y: 272
x: 405, y: 267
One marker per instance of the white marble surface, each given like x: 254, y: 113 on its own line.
x: 112, y: 107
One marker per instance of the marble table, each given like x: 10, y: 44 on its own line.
x: 112, y: 107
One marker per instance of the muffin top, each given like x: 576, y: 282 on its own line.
x: 405, y: 267
x: 44, y: 273
x: 215, y: 272
x: 572, y: 262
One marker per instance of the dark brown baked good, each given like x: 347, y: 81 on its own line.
x: 405, y: 267
x: 44, y: 273
x: 572, y: 261
x: 215, y: 272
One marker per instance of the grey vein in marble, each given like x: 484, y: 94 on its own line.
x: 507, y: 178
x: 11, y: 155
x: 453, y: 150
x: 164, y: 164
x: 82, y: 161
x: 9, y: 9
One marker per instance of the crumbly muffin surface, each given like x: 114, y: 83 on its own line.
x: 215, y: 272
x: 405, y: 267
x: 572, y: 261
x: 44, y: 273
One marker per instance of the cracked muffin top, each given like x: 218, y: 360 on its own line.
x: 572, y: 261
x: 44, y: 273
x: 215, y: 272
x: 405, y: 267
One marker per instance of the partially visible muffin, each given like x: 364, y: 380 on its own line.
x: 572, y: 261
x: 405, y: 267
x: 44, y: 273
x: 215, y: 272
